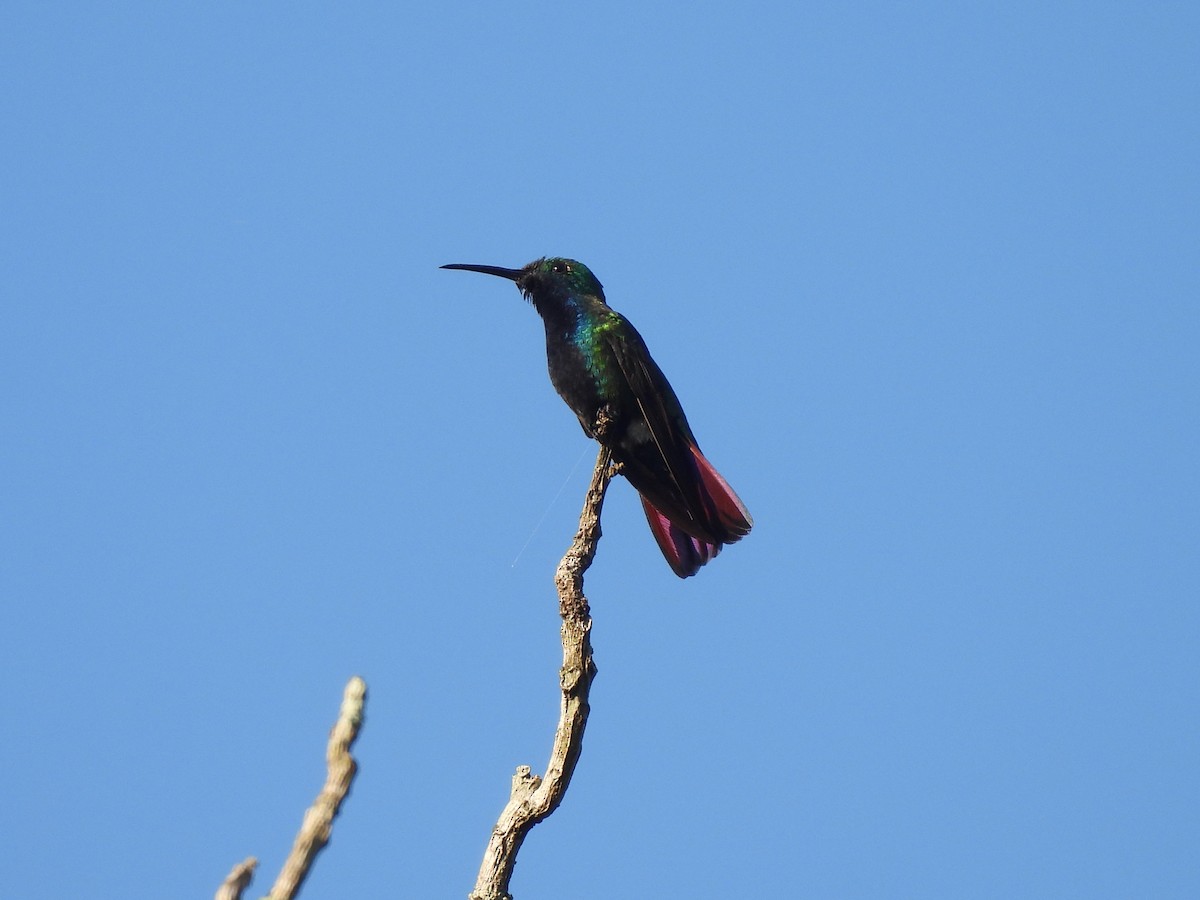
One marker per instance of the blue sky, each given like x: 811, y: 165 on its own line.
x: 925, y: 279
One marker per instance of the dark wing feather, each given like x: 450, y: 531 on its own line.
x: 658, y: 448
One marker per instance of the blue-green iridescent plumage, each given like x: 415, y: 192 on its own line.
x: 599, y: 364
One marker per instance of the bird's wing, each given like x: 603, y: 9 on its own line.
x: 669, y: 470
x: 667, y: 474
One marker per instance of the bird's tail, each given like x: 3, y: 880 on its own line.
x: 725, y: 507
x: 684, y: 553
x: 728, y: 521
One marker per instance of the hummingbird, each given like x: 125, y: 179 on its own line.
x: 600, y: 366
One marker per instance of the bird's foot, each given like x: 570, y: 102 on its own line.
x: 604, y: 421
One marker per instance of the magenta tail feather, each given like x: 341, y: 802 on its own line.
x: 730, y: 511
x: 729, y: 521
x: 684, y: 553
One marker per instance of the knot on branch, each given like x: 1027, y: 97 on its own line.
x: 524, y: 783
x: 569, y: 678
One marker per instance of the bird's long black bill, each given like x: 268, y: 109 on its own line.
x: 510, y: 274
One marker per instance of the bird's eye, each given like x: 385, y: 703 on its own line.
x: 560, y: 268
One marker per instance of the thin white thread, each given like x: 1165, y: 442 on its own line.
x: 546, y: 512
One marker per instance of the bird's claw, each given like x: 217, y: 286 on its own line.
x: 604, y: 421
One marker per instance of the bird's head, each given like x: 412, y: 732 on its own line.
x: 546, y: 279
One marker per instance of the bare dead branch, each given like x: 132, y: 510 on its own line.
x: 237, y: 880
x: 318, y: 820
x: 533, y: 798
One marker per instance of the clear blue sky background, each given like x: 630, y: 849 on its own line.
x: 926, y: 281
